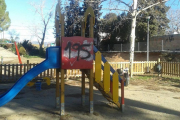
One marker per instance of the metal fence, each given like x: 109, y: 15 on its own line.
x: 154, y: 45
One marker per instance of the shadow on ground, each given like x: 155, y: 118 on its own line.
x: 32, y: 102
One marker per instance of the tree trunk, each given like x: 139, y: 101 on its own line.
x: 132, y: 44
x: 42, y: 41
x: 132, y: 37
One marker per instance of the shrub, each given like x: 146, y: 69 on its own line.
x: 7, y: 46
x: 30, y: 49
x: 22, y: 51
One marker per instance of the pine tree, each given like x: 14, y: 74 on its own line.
x: 72, y: 25
x: 158, y: 22
x: 4, y: 17
x: 96, y: 5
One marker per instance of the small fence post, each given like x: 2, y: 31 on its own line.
x: 162, y: 45
x: 158, y: 63
x: 121, y: 47
x: 27, y: 65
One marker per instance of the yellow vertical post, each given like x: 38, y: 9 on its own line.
x: 83, y: 74
x: 83, y: 89
x: 91, y: 35
x: 57, y: 89
x: 62, y: 71
x: 115, y: 88
x: 62, y: 93
x: 62, y: 26
x: 57, y: 22
x: 82, y: 29
x: 91, y: 91
x: 98, y: 67
x: 106, y: 77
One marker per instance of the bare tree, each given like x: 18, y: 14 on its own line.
x: 13, y: 35
x: 45, y: 16
x: 174, y: 24
x: 134, y: 8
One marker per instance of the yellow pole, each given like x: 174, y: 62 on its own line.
x: 106, y: 77
x: 91, y: 71
x: 57, y: 22
x: 57, y: 89
x: 98, y: 67
x: 83, y: 74
x: 83, y: 89
x: 62, y: 111
x: 82, y: 29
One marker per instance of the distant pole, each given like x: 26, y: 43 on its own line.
x: 148, y: 43
x: 162, y: 45
x: 138, y: 46
x: 121, y: 47
x: 1, y: 59
x: 3, y: 35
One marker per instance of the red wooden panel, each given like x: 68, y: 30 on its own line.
x: 77, y: 53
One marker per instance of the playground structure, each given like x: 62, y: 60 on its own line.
x: 108, y: 86
x: 74, y: 53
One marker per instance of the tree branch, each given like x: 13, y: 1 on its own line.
x: 150, y: 6
x: 124, y: 3
x: 115, y: 9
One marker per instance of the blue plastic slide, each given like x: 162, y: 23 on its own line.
x: 52, y: 61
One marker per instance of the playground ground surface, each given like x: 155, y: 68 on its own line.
x: 146, y: 98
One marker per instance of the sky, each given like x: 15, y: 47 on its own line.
x: 23, y: 17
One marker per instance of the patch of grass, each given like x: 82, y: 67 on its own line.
x: 172, y: 79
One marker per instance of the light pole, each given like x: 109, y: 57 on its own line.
x: 148, y: 18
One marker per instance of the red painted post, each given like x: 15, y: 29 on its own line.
x: 122, y: 94
x: 17, y: 51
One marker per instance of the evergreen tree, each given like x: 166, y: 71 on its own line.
x: 117, y: 27
x: 158, y: 22
x: 72, y: 24
x: 96, y: 5
x: 4, y: 17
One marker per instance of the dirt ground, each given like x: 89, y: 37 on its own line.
x: 148, y: 98
x: 23, y: 59
x: 11, y: 58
